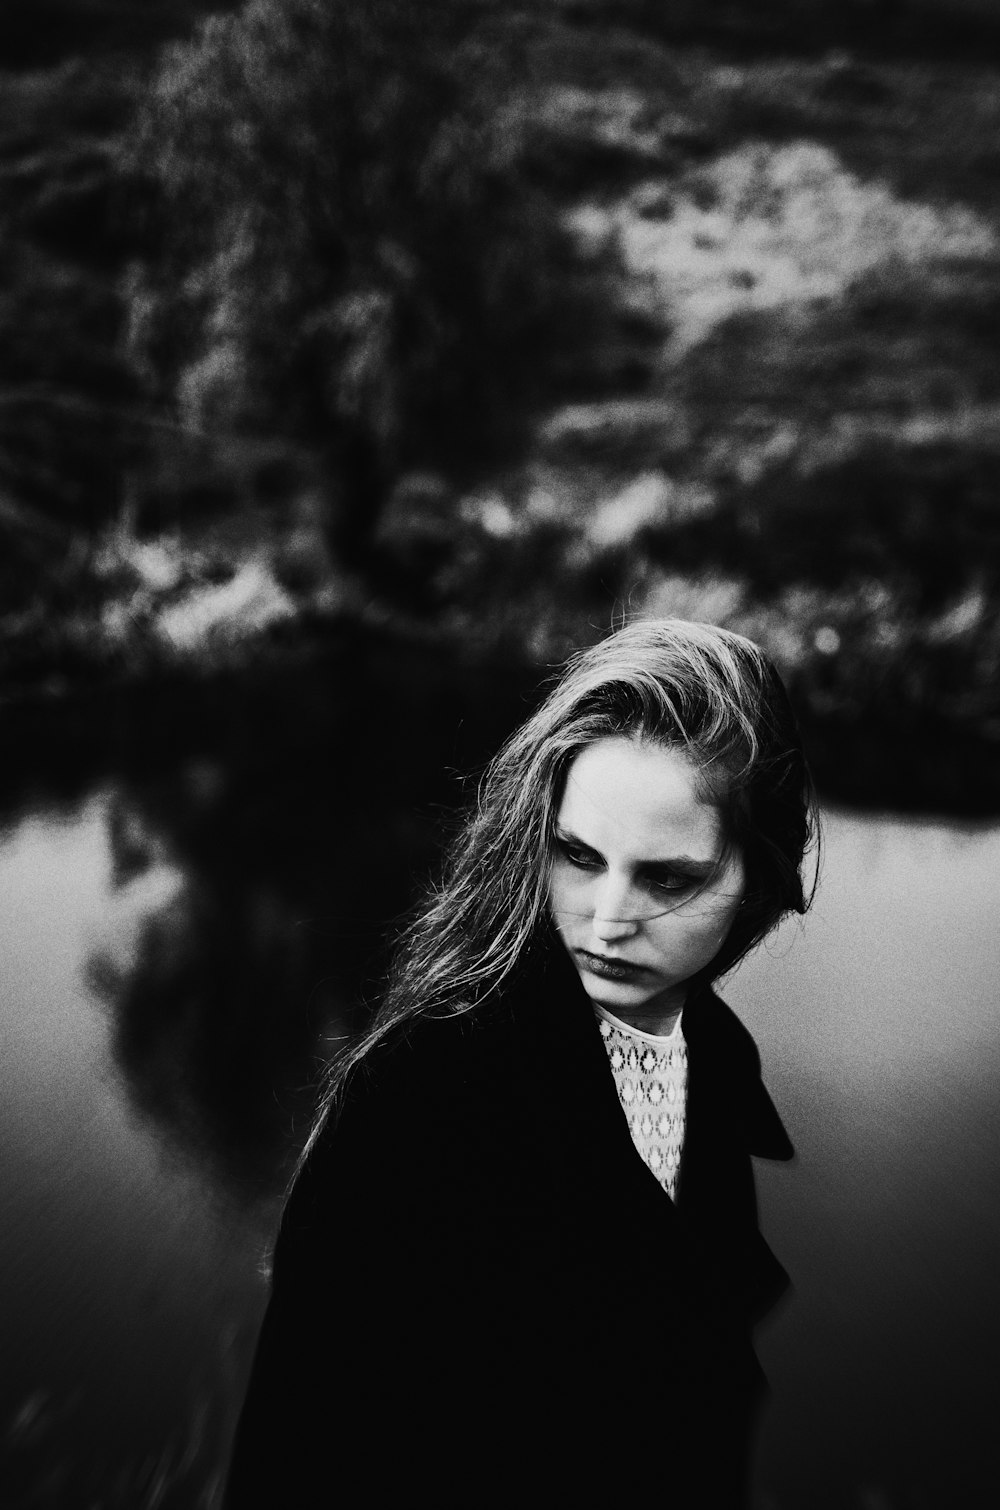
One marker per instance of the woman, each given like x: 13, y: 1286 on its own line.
x: 521, y: 1262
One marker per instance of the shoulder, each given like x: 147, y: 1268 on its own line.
x: 442, y: 1095
x: 469, y: 1048
x: 433, y: 1058
x: 433, y: 1130
x: 413, y: 1088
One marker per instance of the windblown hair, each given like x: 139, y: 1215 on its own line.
x: 693, y: 687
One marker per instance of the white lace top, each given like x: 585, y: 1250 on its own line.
x: 651, y: 1079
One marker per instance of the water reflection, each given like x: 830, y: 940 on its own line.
x: 181, y: 928
x: 116, y: 1382
x: 214, y: 974
x: 193, y: 892
x: 878, y: 1023
x: 253, y: 874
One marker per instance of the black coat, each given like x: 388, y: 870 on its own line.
x: 481, y: 1294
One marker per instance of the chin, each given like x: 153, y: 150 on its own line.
x: 615, y: 993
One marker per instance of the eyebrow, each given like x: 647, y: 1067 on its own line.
x: 698, y: 869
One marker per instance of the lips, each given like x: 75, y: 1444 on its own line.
x: 610, y: 969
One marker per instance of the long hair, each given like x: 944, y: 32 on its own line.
x: 693, y: 687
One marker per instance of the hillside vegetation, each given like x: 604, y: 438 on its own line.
x: 493, y: 323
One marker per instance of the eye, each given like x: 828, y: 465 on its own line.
x: 578, y: 855
x: 670, y: 883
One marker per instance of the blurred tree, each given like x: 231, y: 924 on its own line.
x: 346, y: 249
x: 65, y: 390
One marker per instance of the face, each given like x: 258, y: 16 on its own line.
x: 637, y: 891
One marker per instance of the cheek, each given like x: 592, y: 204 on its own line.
x: 556, y: 898
x: 693, y: 938
x: 723, y: 922
x: 565, y: 891
x: 724, y: 914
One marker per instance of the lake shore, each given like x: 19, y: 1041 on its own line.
x: 61, y: 730
x: 786, y: 423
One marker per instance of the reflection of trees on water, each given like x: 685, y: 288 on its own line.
x: 212, y: 1001
x: 257, y: 867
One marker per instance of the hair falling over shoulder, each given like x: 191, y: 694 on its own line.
x: 704, y: 690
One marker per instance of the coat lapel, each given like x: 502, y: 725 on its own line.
x: 610, y: 1200
x: 730, y: 1117
x: 605, y: 1189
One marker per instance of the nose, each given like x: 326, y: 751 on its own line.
x: 615, y: 908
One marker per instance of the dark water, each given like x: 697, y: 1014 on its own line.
x: 174, y: 939
x: 194, y: 888
x: 878, y: 1023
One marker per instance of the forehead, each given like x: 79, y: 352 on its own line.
x: 639, y: 801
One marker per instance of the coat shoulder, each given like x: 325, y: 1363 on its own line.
x: 401, y: 1107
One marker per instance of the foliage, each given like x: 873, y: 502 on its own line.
x: 65, y: 389
x: 491, y: 323
x: 345, y: 250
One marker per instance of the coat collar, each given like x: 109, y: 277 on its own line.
x: 608, y: 1197
x: 724, y: 1084
x: 606, y: 1186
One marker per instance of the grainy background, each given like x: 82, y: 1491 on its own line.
x: 355, y: 364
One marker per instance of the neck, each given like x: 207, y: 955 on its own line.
x: 657, y: 1017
